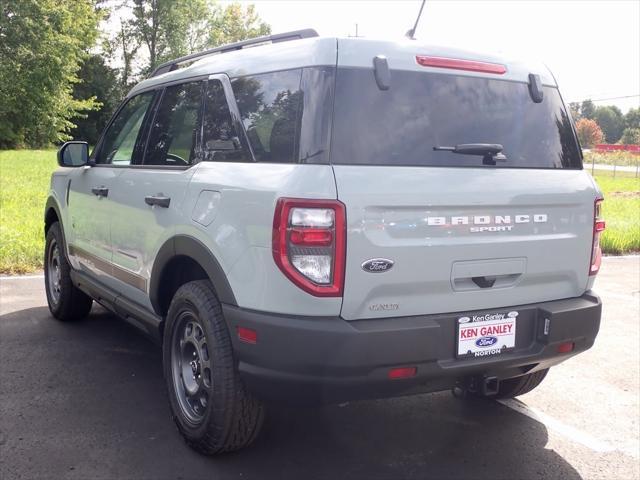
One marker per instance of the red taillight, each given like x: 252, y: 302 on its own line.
x: 598, y: 228
x: 309, y: 244
x: 459, y: 64
x: 311, y: 237
x: 402, y: 372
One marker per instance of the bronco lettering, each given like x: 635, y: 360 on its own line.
x: 497, y: 223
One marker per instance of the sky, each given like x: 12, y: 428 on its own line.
x: 592, y: 47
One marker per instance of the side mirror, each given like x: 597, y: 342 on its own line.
x: 73, y: 154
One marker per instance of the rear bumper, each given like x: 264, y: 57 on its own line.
x: 328, y: 359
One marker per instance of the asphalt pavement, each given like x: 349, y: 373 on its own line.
x: 87, y: 401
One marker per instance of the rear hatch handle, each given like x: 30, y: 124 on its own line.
x: 490, y: 273
x: 484, y: 282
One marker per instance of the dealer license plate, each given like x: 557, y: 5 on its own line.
x: 487, y: 334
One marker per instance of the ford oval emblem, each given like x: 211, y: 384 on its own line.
x: 486, y: 341
x: 377, y: 265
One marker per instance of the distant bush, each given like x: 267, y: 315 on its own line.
x: 589, y: 133
x: 630, y: 136
x: 611, y: 121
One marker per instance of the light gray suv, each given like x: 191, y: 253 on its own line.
x: 306, y: 219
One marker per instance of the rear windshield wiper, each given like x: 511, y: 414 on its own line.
x: 491, y: 152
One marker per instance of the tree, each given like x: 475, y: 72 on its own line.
x: 630, y: 136
x: 632, y: 118
x: 233, y: 24
x: 173, y: 28
x: 42, y: 43
x: 128, y: 44
x: 198, y: 22
x: 152, y: 21
x: 610, y: 120
x: 99, y: 80
x: 574, y: 108
x: 587, y: 109
x: 589, y: 133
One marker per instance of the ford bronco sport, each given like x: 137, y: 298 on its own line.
x: 308, y: 219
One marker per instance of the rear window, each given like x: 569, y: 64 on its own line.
x: 420, y: 111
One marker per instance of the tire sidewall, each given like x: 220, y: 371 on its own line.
x: 187, y: 299
x: 54, y: 233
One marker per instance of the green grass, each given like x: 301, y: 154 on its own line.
x: 621, y: 211
x: 24, y: 184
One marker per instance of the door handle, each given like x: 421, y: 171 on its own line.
x: 158, y: 200
x: 100, y: 191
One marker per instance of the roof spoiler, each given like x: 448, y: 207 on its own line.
x: 252, y: 42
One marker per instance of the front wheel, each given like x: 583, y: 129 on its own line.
x: 66, y: 302
x: 210, y: 405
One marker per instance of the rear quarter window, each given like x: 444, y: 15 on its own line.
x: 270, y: 108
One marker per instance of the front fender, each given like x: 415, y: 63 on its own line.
x: 53, y: 205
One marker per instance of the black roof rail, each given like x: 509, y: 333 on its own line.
x: 277, y: 38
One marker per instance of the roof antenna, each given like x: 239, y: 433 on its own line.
x: 411, y: 33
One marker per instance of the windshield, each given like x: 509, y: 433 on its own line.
x: 420, y: 111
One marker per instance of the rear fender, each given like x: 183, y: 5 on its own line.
x: 182, y: 245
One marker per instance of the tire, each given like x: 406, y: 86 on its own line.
x: 66, y: 302
x: 514, y: 387
x: 210, y: 405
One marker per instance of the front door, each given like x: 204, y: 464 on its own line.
x: 90, y: 194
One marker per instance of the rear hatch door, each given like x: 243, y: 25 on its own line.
x: 433, y: 231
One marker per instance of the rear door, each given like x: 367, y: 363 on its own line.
x: 432, y: 231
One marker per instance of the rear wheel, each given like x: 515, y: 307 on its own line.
x: 210, y: 405
x: 66, y: 302
x: 514, y: 387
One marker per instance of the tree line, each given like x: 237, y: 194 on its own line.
x: 66, y: 64
x: 605, y: 123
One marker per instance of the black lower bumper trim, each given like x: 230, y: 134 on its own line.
x: 328, y: 359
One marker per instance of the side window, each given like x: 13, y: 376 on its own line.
x: 221, y: 140
x: 120, y: 139
x: 270, y: 107
x: 174, y: 131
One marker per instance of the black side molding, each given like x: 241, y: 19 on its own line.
x: 138, y: 316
